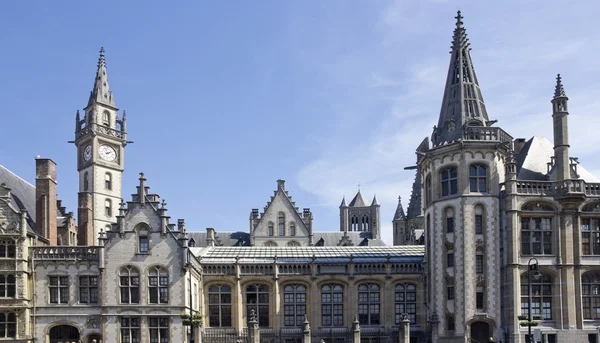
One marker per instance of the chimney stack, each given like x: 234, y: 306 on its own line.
x: 45, y: 199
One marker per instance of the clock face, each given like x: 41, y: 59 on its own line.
x: 87, y: 153
x: 107, y: 153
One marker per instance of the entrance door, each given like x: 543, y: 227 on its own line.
x: 480, y: 332
x: 64, y: 334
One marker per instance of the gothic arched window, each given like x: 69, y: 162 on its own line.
x: 478, y: 178
x: 541, y: 296
x: 369, y: 295
x: 257, y: 300
x: 364, y: 223
x: 158, y: 285
x: 219, y: 306
x: 129, y: 283
x: 281, y: 224
x: 108, y: 207
x: 106, y: 118
x: 294, y: 304
x: 332, y: 305
x: 405, y: 301
x: 293, y: 229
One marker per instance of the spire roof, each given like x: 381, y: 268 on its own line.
x: 399, y: 215
x: 462, y: 103
x: 374, y: 202
x: 357, y: 201
x: 343, y: 202
x: 101, y: 92
x: 559, y: 91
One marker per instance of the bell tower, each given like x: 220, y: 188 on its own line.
x: 100, y: 139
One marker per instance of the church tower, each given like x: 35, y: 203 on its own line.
x: 358, y: 216
x: 461, y: 175
x: 100, y: 139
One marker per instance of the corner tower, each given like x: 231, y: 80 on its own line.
x: 461, y: 176
x: 100, y: 139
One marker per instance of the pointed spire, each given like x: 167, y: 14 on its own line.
x: 462, y: 103
x: 343, y: 202
x: 357, y: 201
x: 399, y: 215
x: 374, y: 202
x: 101, y: 92
x: 559, y: 91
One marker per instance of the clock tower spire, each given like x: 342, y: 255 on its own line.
x: 100, y: 139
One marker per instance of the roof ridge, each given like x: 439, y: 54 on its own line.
x: 18, y: 177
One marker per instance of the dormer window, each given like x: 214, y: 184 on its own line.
x: 106, y: 118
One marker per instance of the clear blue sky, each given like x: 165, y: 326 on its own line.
x: 225, y: 97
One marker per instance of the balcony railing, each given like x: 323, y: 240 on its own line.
x: 66, y: 253
x: 556, y: 188
x: 486, y: 133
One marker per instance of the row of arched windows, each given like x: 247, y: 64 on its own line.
x: 478, y: 181
x: 107, y: 181
x: 295, y: 300
x: 157, y: 285
x: 360, y: 223
x: 281, y: 227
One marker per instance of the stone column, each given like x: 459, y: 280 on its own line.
x: 253, y: 331
x: 355, y: 330
x: 404, y: 330
x: 306, y: 330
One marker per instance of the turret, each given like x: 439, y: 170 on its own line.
x: 561, y: 131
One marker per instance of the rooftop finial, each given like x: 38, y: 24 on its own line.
x: 559, y: 91
x: 459, y: 17
x: 101, y: 60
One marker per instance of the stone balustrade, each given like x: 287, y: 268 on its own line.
x: 65, y: 253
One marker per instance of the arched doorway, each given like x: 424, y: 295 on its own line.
x: 480, y: 332
x: 64, y: 334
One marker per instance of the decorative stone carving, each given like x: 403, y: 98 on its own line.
x: 592, y: 207
x: 450, y: 280
x: 7, y: 265
x: 449, y: 245
x: 537, y: 206
x: 93, y: 322
x: 479, y: 245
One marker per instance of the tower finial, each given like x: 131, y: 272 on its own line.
x: 559, y: 91
x: 459, y: 17
x: 101, y: 60
x: 101, y: 92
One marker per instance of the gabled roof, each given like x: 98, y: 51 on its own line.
x: 357, y: 201
x: 283, y: 194
x: 22, y: 195
x: 226, y: 239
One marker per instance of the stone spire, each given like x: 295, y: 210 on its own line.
x: 357, y: 201
x: 374, y: 202
x: 462, y: 104
x: 559, y: 90
x: 399, y: 215
x: 101, y: 92
x: 560, y: 121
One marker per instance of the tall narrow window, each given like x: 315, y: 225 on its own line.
x: 59, y: 289
x: 219, y: 306
x: 478, y: 221
x: 108, y: 207
x: 450, y: 323
x: 405, y: 301
x: 7, y: 286
x: 449, y: 213
x: 108, y: 181
x: 130, y: 330
x: 536, y: 236
x: 590, y: 283
x: 159, y: 329
x: 257, y: 300
x: 88, y: 289
x: 479, y: 300
x: 129, y: 283
x: 541, y: 296
x: 8, y: 325
x: 450, y: 292
x: 86, y: 181
x: 158, y: 285
x: 332, y: 305
x: 281, y: 224
x: 106, y: 118
x: 369, y: 304
x: 364, y: 223
x: 294, y: 304
x: 143, y: 240
x: 590, y: 236
x: 450, y: 260
x: 293, y: 229
x: 271, y: 233
x: 479, y: 264
x: 478, y: 178
x: 428, y: 191
x: 449, y: 181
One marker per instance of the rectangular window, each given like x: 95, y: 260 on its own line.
x: 281, y: 226
x: 479, y: 264
x: 590, y: 236
x: 88, y: 289
x: 479, y: 301
x: 158, y: 287
x: 219, y: 306
x: 450, y: 260
x: 449, y: 181
x: 449, y: 225
x: 450, y: 292
x: 428, y: 189
x: 478, y: 178
x: 536, y: 236
x: 478, y: 224
x: 144, y: 244
x: 159, y: 329
x: 130, y: 330
x: 7, y: 286
x: 59, y: 289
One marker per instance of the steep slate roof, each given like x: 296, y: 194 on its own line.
x: 407, y: 253
x: 22, y: 195
x: 226, y: 239
x: 357, y: 201
x: 399, y: 215
x: 333, y: 238
x: 414, y: 205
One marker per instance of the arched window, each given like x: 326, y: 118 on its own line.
x: 108, y: 181
x: 281, y: 224
x: 269, y: 244
x: 293, y: 244
x: 143, y: 239
x: 590, y: 284
x: 108, y: 207
x: 129, y: 283
x: 219, y: 306
x: 293, y: 229
x: 449, y: 178
x: 271, y: 233
x: 86, y: 181
x: 428, y: 189
x: 536, y: 236
x: 7, y: 249
x: 364, y: 223
x: 541, y: 296
x: 590, y: 236
x: 332, y: 305
x: 405, y: 300
x: 7, y: 286
x: 369, y: 304
x: 257, y: 300
x: 106, y: 118
x: 294, y: 304
x: 158, y: 285
x: 478, y: 178
x: 354, y: 223
x: 8, y: 325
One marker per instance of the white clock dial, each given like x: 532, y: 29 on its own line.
x: 107, y: 153
x: 87, y: 153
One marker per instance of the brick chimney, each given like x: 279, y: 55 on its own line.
x: 45, y: 199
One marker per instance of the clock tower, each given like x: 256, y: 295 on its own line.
x: 100, y: 138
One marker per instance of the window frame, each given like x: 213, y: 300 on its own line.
x: 8, y: 288
x: 449, y: 181
x: 294, y: 304
x: 544, y: 231
x: 590, y: 236
x: 259, y: 293
x: 131, y: 287
x: 88, y: 288
x: 281, y: 224
x: 158, y: 285
x: 130, y: 329
x: 369, y: 304
x: 590, y: 295
x: 159, y: 328
x: 332, y: 305
x: 541, y: 301
x: 405, y: 302
x: 8, y: 321
x: 223, y: 305
x: 108, y: 181
x: 58, y: 289
x: 108, y: 207
x: 477, y: 176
